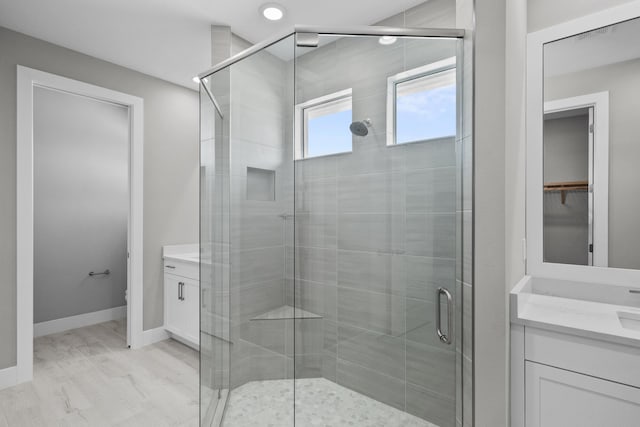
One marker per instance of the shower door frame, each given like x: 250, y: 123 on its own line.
x: 372, y: 31
x: 436, y: 33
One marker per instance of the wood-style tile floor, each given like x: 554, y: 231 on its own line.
x: 87, y: 377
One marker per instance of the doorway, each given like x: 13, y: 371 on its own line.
x: 36, y: 201
x: 81, y: 204
x: 576, y: 180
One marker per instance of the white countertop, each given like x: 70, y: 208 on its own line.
x: 185, y: 253
x: 573, y: 316
x: 187, y: 257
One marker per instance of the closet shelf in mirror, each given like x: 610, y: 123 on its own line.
x: 563, y: 187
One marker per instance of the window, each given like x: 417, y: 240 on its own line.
x: 421, y: 103
x: 322, y: 125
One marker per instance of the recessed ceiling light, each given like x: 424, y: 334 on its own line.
x: 272, y: 11
x: 387, y: 40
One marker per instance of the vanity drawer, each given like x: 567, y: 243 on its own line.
x: 599, y: 359
x: 190, y: 270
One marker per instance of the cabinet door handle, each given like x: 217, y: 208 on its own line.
x: 170, y: 266
x: 180, y: 291
x: 445, y: 338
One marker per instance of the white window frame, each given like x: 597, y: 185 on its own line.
x: 413, y: 74
x: 332, y: 103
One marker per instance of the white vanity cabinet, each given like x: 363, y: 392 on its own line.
x: 181, y: 300
x: 563, y: 380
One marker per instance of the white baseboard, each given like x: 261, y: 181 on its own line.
x: 153, y: 336
x: 8, y: 377
x: 73, y: 322
x: 185, y: 341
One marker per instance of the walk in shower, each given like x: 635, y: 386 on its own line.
x: 335, y: 210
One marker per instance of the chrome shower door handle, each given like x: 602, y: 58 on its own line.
x: 445, y: 338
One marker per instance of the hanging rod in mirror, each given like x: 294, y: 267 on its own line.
x: 563, y: 187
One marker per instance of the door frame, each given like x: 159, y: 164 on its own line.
x: 27, y: 79
x: 598, y: 166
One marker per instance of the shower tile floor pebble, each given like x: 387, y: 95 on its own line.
x: 319, y: 402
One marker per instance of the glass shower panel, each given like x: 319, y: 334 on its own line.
x: 255, y: 155
x: 375, y: 233
x: 214, y: 257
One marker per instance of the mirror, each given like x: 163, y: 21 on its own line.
x: 591, y: 148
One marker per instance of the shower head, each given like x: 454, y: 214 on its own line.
x: 360, y: 128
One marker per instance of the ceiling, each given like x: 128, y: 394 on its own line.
x: 171, y: 39
x: 597, y: 48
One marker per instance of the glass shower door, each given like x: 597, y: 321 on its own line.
x: 375, y: 231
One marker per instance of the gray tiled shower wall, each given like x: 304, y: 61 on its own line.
x: 392, y: 243
x: 375, y: 233
x: 259, y: 113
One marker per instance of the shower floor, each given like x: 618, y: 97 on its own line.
x: 319, y: 402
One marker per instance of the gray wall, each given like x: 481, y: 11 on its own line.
x: 81, y: 170
x: 623, y: 84
x: 170, y: 164
x: 566, y: 149
x: 566, y: 228
x: 566, y: 159
x: 490, y: 315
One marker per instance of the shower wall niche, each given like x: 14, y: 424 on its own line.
x: 330, y: 258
